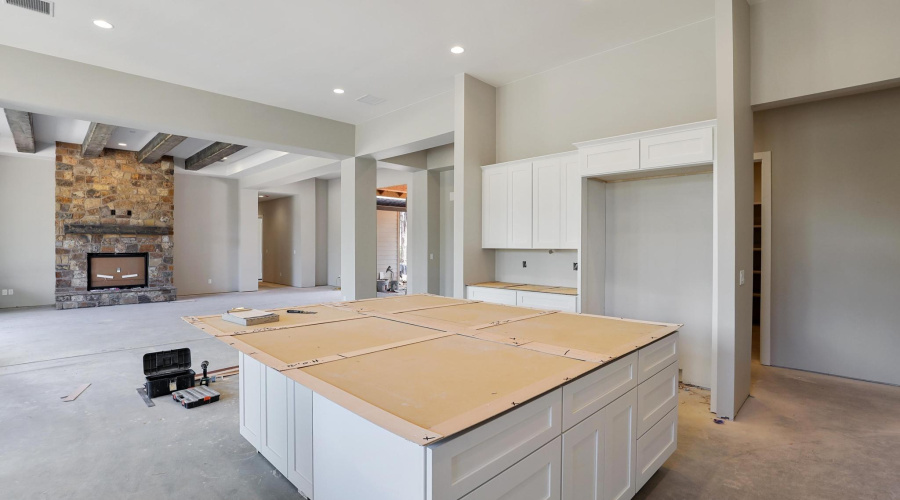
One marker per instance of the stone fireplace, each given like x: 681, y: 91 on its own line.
x: 114, y: 220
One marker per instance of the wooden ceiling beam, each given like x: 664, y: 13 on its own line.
x: 159, y: 146
x: 211, y: 154
x: 22, y: 125
x: 95, y: 140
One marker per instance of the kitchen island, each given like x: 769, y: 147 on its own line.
x: 432, y: 398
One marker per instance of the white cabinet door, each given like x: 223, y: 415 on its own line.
x: 611, y: 158
x: 520, y: 194
x: 547, y: 203
x: 493, y: 295
x: 536, y: 477
x: 300, y: 438
x: 570, y: 237
x: 273, y: 436
x: 677, y: 149
x: 547, y: 301
x: 495, y: 207
x: 583, y: 457
x: 250, y: 397
x: 619, y: 441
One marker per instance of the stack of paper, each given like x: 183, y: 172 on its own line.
x: 249, y: 317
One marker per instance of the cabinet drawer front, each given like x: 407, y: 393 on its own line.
x: 494, y: 295
x: 610, y: 158
x: 656, y: 397
x: 592, y: 392
x: 656, y: 446
x: 462, y: 463
x: 537, y: 477
x: 549, y: 301
x: 680, y: 148
x: 655, y: 357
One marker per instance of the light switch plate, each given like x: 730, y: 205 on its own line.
x: 742, y: 277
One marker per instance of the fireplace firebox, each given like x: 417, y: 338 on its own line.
x: 117, y: 270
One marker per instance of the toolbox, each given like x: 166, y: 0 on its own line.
x: 197, y: 396
x: 168, y: 371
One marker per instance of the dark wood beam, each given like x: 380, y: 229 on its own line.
x: 95, y: 140
x: 22, y: 126
x: 211, y: 154
x: 158, y: 146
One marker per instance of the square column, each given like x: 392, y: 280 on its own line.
x: 358, y: 228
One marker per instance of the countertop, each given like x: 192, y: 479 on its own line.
x: 561, y: 290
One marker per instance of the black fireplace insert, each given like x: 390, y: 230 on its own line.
x: 117, y: 270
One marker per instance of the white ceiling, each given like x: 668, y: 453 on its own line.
x: 292, y: 54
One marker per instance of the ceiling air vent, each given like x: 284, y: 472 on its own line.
x: 367, y: 99
x: 39, y: 6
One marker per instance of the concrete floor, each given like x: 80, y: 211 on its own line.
x: 800, y: 436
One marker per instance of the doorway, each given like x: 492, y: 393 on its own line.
x: 391, y: 240
x: 762, y: 257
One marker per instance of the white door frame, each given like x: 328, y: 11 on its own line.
x: 765, y: 299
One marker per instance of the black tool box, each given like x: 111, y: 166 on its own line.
x: 198, y: 396
x: 168, y: 371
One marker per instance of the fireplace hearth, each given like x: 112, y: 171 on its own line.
x: 117, y: 270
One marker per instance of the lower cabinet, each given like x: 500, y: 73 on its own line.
x: 273, y: 436
x: 549, y: 301
x: 656, y: 446
x: 250, y: 404
x: 492, y: 295
x: 598, y: 453
x: 535, y: 477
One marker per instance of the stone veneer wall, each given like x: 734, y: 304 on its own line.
x: 88, y: 190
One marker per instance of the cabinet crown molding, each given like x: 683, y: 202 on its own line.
x: 646, y: 133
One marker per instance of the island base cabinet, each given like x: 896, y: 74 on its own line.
x: 656, y: 446
x: 249, y: 400
x: 535, y: 477
x: 598, y: 453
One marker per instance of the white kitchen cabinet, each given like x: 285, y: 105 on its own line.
x: 598, y: 454
x: 495, y: 209
x: 656, y: 397
x: 273, y: 435
x: 597, y: 389
x: 656, y: 356
x: 656, y: 446
x: 249, y: 403
x: 520, y: 205
x: 300, y: 438
x: 571, y: 199
x: 492, y: 295
x: 547, y: 204
x: 547, y: 301
x: 689, y: 147
x: 609, y: 158
x: 537, y: 477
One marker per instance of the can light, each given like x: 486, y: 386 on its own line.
x: 338, y: 91
x: 457, y: 50
x: 100, y: 23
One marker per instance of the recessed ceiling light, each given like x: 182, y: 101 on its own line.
x: 100, y: 23
x: 338, y: 91
x: 263, y: 196
x: 457, y: 50
x: 122, y: 144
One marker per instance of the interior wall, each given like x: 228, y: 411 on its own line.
x: 659, y: 242
x: 543, y: 268
x: 321, y: 232
x: 27, y: 191
x: 446, y: 237
x: 808, y: 47
x: 413, y: 124
x: 835, y: 234
x: 207, y: 235
x: 334, y: 232
x: 388, y: 237
x: 278, y: 223
x: 665, y: 80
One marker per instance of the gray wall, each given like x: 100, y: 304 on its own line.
x: 334, y: 232
x: 664, y: 80
x: 446, y: 238
x: 206, y: 234
x: 27, y: 257
x: 543, y: 268
x: 836, y: 235
x: 659, y: 260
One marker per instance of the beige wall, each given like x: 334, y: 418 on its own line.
x: 27, y: 188
x: 836, y: 235
x: 665, y: 80
x: 804, y: 47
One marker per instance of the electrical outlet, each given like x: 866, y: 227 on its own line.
x: 742, y: 277
x: 524, y: 264
x: 209, y: 281
x: 295, y: 252
x: 10, y: 291
x: 5, y: 292
x: 431, y: 256
x: 574, y: 266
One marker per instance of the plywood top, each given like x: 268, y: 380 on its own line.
x: 496, y: 284
x: 322, y: 313
x: 478, y: 313
x: 580, y: 331
x: 400, y: 303
x: 562, y: 290
x: 432, y: 382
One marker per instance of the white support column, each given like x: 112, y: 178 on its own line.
x: 321, y: 277
x: 475, y: 138
x: 248, y: 240
x: 304, y: 234
x: 423, y: 211
x: 732, y: 329
x: 358, y: 228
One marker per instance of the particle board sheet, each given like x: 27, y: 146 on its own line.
x: 288, y: 348
x: 532, y: 288
x: 496, y: 284
x: 605, y: 337
x: 469, y: 315
x: 401, y: 303
x: 217, y: 326
x: 434, y: 389
x: 563, y: 290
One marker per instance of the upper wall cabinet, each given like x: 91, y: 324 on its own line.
x: 672, y: 147
x: 532, y: 204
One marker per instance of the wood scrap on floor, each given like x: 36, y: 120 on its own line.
x: 77, y: 392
